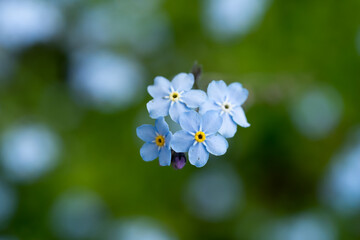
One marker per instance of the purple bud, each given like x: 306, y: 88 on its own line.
x: 178, y: 160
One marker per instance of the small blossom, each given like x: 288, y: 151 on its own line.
x: 227, y: 101
x: 178, y: 160
x: 199, y: 137
x: 157, y: 142
x: 175, y: 97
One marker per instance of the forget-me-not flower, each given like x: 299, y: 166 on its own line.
x: 227, y: 101
x: 199, y: 137
x: 175, y: 97
x: 157, y: 141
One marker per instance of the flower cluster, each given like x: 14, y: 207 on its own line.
x: 206, y: 120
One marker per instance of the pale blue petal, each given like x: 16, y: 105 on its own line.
x: 229, y: 127
x: 217, y: 90
x: 209, y: 105
x: 211, y: 122
x: 161, y: 88
x: 183, y: 82
x: 190, y: 121
x: 237, y: 94
x: 239, y: 117
x: 182, y: 141
x: 198, y: 156
x: 165, y: 156
x: 146, y: 133
x: 149, y: 151
x: 216, y: 145
x: 176, y: 110
x: 168, y: 139
x: 194, y: 98
x: 158, y: 107
x: 161, y: 126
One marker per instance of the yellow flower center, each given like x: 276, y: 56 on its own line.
x: 160, y: 141
x: 200, y: 136
x: 174, y: 96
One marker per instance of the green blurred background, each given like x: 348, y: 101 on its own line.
x: 73, y: 77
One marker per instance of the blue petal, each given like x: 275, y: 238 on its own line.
x: 228, y: 128
x: 160, y: 88
x: 239, y: 117
x: 165, y: 156
x: 211, y: 122
x: 217, y: 90
x: 161, y: 126
x: 176, y: 110
x: 194, y: 98
x: 183, y: 82
x: 237, y: 94
x: 198, y: 156
x: 216, y: 145
x: 168, y: 139
x: 158, y: 107
x: 146, y: 133
x: 209, y: 105
x: 182, y: 141
x: 190, y: 121
x: 149, y: 151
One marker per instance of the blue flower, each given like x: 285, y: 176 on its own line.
x: 157, y: 142
x: 227, y: 101
x: 175, y: 97
x: 199, y: 137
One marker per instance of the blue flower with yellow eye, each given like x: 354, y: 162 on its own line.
x: 199, y: 137
x: 206, y: 120
x: 157, y: 142
x: 227, y: 101
x: 175, y: 97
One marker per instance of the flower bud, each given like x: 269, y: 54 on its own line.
x: 196, y: 71
x: 178, y: 160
